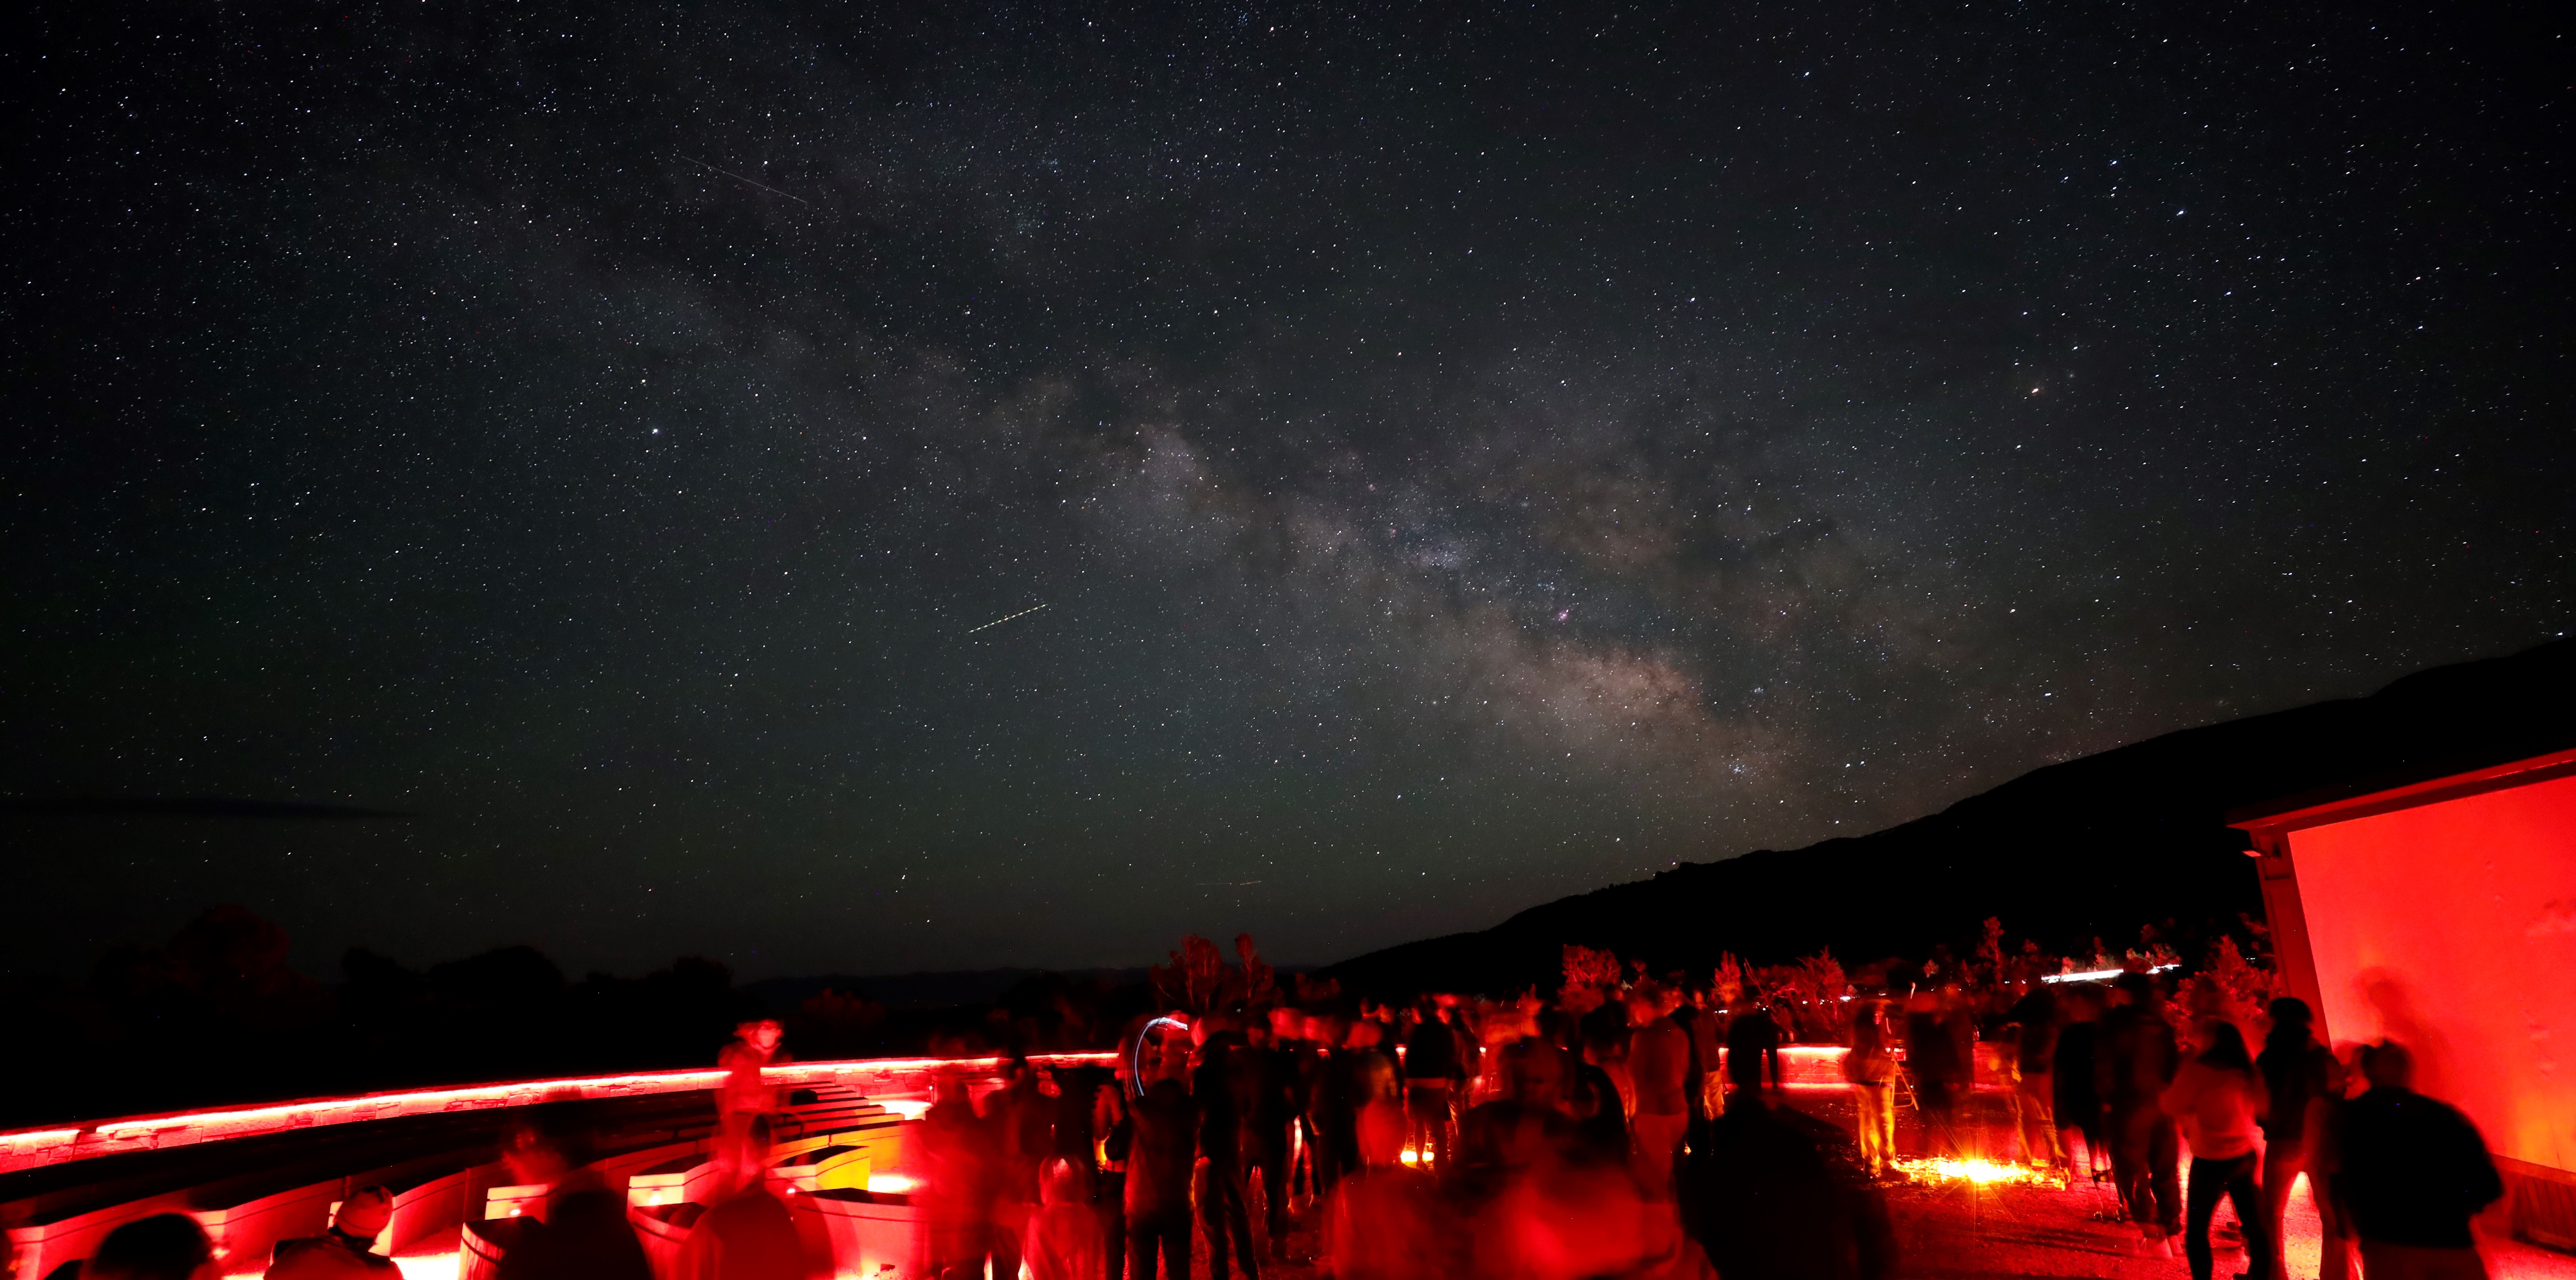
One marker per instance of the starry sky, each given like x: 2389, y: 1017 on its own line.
x: 1456, y: 455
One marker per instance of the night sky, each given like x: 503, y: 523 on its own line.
x: 1457, y: 455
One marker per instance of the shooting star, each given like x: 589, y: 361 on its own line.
x: 999, y: 621
x: 739, y: 178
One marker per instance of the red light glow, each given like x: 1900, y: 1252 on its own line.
x: 2450, y: 927
x: 32, y: 1148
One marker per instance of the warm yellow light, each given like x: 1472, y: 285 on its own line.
x: 892, y: 1183
x: 1977, y: 1170
x: 436, y: 1266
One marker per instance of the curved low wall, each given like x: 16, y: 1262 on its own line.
x: 875, y: 1077
x: 256, y: 1175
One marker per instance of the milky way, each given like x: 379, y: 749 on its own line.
x: 1463, y: 457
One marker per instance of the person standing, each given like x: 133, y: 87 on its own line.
x: 2135, y: 1060
x: 953, y: 1205
x: 1159, y: 1155
x: 2296, y: 1071
x: 2218, y: 1097
x: 1871, y: 1069
x: 1752, y: 1045
x: 1018, y: 1120
x: 1707, y: 1088
x: 746, y: 1093
x: 2034, y: 1086
x: 1264, y: 1081
x: 2075, y: 1091
x: 2407, y: 1175
x: 1331, y: 1108
x: 1117, y: 1128
x: 1600, y: 1112
x: 1931, y: 1058
x: 1221, y: 1196
x: 1430, y: 1074
x: 1384, y: 1221
x: 1659, y: 1070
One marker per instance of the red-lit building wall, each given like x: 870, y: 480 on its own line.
x: 2451, y: 927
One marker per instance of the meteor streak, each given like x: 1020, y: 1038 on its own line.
x: 999, y: 621
x: 739, y: 178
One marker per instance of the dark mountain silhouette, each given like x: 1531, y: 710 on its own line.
x: 2093, y: 848
x: 925, y: 989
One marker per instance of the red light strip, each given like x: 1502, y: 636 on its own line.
x: 31, y: 1148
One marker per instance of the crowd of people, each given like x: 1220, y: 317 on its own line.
x: 1445, y: 1138
x: 1601, y: 1136
x: 2133, y: 1078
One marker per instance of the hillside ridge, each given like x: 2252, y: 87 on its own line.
x: 2094, y: 847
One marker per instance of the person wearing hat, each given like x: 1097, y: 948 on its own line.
x: 345, y: 1251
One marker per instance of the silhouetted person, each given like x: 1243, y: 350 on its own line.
x: 1700, y: 1025
x: 1431, y: 1072
x: 1159, y: 1156
x: 580, y: 1231
x: 2075, y: 1090
x: 1019, y: 1135
x: 2298, y: 1073
x: 1264, y: 1081
x: 1385, y: 1221
x: 1605, y: 1045
x: 1659, y: 1071
x: 1871, y: 1069
x: 2136, y: 1059
x: 1932, y: 1059
x: 1117, y: 1127
x: 347, y: 1250
x: 2034, y: 1062
x: 2409, y: 1173
x: 1568, y: 1221
x: 1076, y: 1129
x: 1309, y: 1046
x: 2218, y: 1098
x: 1600, y: 1114
x: 1221, y: 1196
x: 1526, y: 1126
x: 953, y: 1204
x: 1752, y: 1048
x: 165, y: 1246
x: 1366, y: 1076
x: 1779, y: 1195
x: 1330, y: 1108
x: 1065, y: 1240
